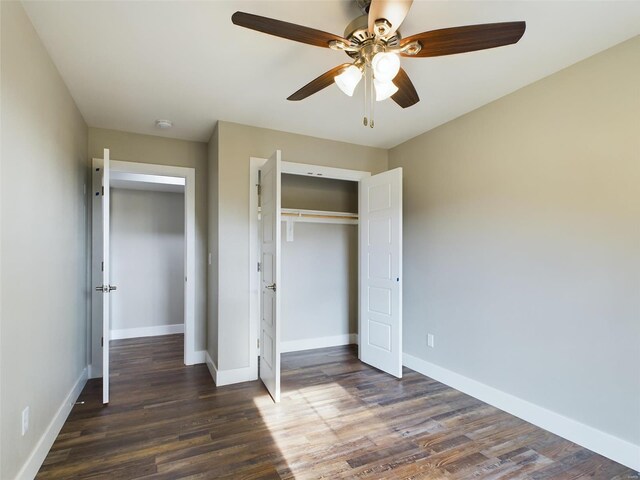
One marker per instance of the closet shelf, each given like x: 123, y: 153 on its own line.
x: 318, y: 216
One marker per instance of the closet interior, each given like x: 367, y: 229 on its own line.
x: 319, y: 250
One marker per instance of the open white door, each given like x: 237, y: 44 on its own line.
x: 380, y: 214
x: 106, y: 286
x: 270, y: 268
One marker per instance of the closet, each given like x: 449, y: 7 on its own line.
x: 329, y: 250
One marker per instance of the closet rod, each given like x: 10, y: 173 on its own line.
x: 306, y: 215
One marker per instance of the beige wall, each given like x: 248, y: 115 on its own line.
x: 133, y: 147
x: 147, y: 258
x: 43, y: 280
x: 212, y: 304
x: 522, y: 242
x: 320, y: 281
x: 237, y: 143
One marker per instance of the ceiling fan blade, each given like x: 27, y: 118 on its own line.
x: 286, y: 30
x: 406, y: 94
x: 314, y: 86
x: 449, y: 41
x: 394, y: 11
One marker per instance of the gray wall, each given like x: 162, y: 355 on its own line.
x: 212, y: 304
x: 236, y: 144
x: 313, y: 193
x: 43, y: 242
x: 319, y: 281
x: 320, y: 266
x: 134, y: 147
x: 522, y: 245
x: 147, y: 258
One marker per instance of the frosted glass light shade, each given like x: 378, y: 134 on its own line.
x: 384, y: 89
x: 385, y: 66
x: 348, y: 80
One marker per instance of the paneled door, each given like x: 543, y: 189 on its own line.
x: 101, y: 275
x: 380, y: 324
x: 270, y: 275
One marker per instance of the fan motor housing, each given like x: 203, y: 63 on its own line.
x: 357, y: 32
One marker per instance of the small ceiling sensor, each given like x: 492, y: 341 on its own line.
x: 164, y: 124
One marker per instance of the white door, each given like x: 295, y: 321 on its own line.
x: 103, y: 289
x: 270, y: 280
x: 380, y: 214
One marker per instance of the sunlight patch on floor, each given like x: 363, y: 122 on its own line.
x: 312, y: 416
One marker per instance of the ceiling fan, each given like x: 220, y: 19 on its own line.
x: 375, y: 46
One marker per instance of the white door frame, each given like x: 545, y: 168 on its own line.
x: 255, y: 163
x: 189, y: 176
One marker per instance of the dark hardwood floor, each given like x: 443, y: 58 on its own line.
x: 338, y: 419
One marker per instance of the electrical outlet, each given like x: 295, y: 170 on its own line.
x: 25, y: 420
x: 431, y: 340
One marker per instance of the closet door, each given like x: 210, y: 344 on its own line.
x: 380, y: 325
x: 270, y: 260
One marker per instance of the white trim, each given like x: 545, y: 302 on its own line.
x: 236, y: 375
x: 119, y: 334
x: 39, y: 453
x: 228, y: 377
x: 596, y: 440
x: 309, y: 170
x: 189, y: 175
x: 321, y: 342
x: 145, y: 178
x: 213, y: 370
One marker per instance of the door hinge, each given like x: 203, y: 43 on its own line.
x: 103, y: 191
x: 259, y: 267
x: 102, y: 341
x: 258, y: 343
x: 102, y: 266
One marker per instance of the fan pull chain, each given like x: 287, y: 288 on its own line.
x: 365, y: 121
x: 369, y: 97
x: 372, y: 98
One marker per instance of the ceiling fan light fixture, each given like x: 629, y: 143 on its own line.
x: 384, y: 89
x: 348, y: 80
x: 386, y: 66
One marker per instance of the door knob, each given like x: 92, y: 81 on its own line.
x: 105, y: 288
x: 272, y: 287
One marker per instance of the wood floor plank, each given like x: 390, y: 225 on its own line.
x: 338, y: 418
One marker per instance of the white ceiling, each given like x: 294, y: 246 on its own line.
x: 130, y: 63
x: 142, y: 181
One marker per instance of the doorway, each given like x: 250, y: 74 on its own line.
x: 146, y: 177
x: 378, y: 219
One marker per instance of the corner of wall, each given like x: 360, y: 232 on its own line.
x: 213, y: 148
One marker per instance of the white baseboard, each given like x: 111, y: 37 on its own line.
x: 228, y: 377
x: 39, y: 453
x: 147, y: 331
x: 596, y: 440
x: 213, y: 370
x: 236, y: 375
x: 248, y: 374
x: 322, y: 342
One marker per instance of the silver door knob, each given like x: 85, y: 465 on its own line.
x: 272, y: 287
x: 105, y: 288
